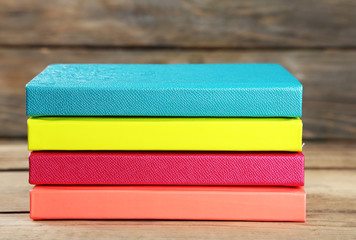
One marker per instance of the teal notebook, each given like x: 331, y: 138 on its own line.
x: 215, y: 90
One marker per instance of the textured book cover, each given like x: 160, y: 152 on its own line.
x: 167, y: 168
x: 235, y: 90
x: 170, y: 134
x: 168, y: 202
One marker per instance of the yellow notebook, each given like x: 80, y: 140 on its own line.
x: 168, y: 134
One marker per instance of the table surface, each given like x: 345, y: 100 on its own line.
x: 331, y: 205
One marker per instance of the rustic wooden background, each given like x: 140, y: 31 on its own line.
x: 315, y: 40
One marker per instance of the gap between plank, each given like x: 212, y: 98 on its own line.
x: 14, y: 212
x: 171, y: 47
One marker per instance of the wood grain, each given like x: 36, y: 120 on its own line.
x: 184, y: 23
x: 14, y: 191
x: 329, y: 108
x: 318, y: 226
x: 330, y: 215
x: 318, y: 155
x: 13, y: 155
x: 330, y: 155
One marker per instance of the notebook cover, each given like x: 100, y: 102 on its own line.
x: 250, y: 90
x: 168, y: 202
x: 205, y: 134
x: 167, y: 168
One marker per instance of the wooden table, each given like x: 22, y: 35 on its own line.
x: 331, y: 205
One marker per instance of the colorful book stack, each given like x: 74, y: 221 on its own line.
x: 186, y: 141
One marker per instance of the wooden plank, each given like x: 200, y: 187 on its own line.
x: 330, y: 215
x: 328, y: 191
x: 13, y: 155
x: 318, y: 155
x: 328, y: 78
x: 318, y: 226
x: 14, y: 191
x: 183, y: 23
x: 330, y: 155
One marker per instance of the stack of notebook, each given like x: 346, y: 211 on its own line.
x: 187, y: 141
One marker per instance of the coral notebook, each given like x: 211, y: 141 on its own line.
x: 167, y: 168
x: 235, y: 90
x: 168, y: 202
x: 201, y: 134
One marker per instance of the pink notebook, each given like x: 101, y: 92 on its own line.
x: 167, y: 168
